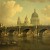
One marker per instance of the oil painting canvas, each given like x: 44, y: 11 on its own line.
x: 24, y: 24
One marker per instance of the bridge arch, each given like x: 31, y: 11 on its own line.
x: 41, y: 32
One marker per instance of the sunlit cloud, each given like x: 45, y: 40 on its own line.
x: 45, y: 19
x: 8, y: 9
x: 46, y: 10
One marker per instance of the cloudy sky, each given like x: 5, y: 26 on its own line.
x: 10, y: 10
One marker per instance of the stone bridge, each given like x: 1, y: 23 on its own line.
x: 40, y: 29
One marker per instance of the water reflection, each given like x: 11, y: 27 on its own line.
x: 16, y: 41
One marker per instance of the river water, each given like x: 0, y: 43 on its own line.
x: 33, y: 45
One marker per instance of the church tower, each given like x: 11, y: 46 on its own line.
x: 26, y: 22
x: 18, y: 21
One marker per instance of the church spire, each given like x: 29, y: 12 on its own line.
x: 26, y: 21
x: 18, y: 21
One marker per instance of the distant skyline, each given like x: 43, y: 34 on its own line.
x: 10, y: 10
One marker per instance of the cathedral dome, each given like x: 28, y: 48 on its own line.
x: 34, y: 14
x: 34, y: 18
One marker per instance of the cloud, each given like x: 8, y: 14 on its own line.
x: 38, y: 0
x: 8, y: 9
x: 45, y: 19
x: 46, y: 10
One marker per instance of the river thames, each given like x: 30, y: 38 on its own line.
x: 33, y: 45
